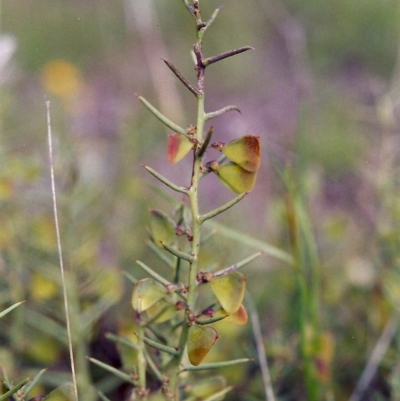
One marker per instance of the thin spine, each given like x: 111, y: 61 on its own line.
x: 213, y: 17
x: 114, y: 371
x: 222, y: 111
x: 59, y: 247
x: 222, y: 208
x: 160, y: 347
x: 121, y: 340
x: 165, y: 181
x: 211, y: 60
x: 210, y: 320
x: 166, y: 121
x: 152, y: 273
x: 238, y: 265
x: 181, y: 78
x: 206, y: 142
x: 183, y: 255
x: 160, y: 254
x: 216, y: 365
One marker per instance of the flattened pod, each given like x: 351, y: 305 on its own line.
x: 245, y: 152
x: 200, y: 341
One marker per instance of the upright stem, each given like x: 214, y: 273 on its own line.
x: 194, y: 209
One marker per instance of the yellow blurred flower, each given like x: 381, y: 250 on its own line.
x: 61, y: 78
x: 42, y: 288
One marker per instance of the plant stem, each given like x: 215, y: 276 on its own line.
x: 195, y: 214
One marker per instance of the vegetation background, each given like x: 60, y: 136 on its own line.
x: 322, y: 91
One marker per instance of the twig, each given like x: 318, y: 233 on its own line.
x: 64, y: 286
x: 376, y: 356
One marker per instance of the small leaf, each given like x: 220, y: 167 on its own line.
x: 209, y: 386
x: 162, y: 227
x: 163, y: 310
x: 178, y: 147
x: 200, y: 341
x: 245, y: 152
x: 229, y: 290
x: 146, y: 293
x: 236, y: 178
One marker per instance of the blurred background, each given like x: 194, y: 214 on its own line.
x: 321, y: 88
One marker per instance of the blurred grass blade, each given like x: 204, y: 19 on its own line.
x: 48, y: 326
x: 8, y: 310
x: 11, y: 392
x: 261, y: 353
x: 65, y: 392
x: 103, y: 397
x: 217, y: 396
x: 33, y: 382
x: 252, y: 242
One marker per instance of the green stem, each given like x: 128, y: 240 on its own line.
x: 196, y: 223
x: 141, y: 359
